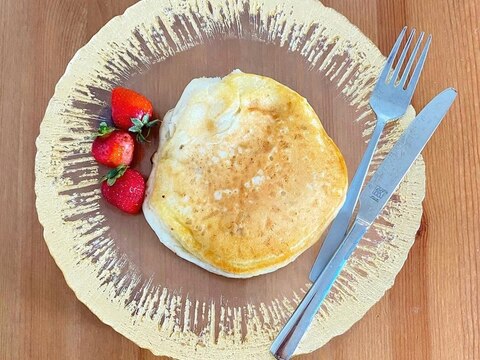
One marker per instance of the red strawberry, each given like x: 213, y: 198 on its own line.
x: 124, y: 188
x: 113, y: 147
x: 132, y: 111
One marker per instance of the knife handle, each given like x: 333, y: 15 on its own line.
x: 289, y: 337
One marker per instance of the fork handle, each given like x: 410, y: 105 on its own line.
x: 342, y: 220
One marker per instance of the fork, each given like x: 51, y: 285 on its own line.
x: 389, y: 101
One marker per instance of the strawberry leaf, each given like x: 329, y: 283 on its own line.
x: 139, y: 125
x: 152, y: 123
x: 115, y: 174
x: 137, y: 122
x: 140, y: 138
x: 104, y: 129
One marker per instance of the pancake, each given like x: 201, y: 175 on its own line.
x: 245, y: 178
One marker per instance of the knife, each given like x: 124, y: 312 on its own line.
x: 372, y: 200
x: 332, y: 241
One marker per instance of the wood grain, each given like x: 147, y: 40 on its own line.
x: 433, y: 310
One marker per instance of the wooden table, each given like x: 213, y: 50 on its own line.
x: 432, y: 312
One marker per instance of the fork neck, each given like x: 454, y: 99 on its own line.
x: 379, y: 126
x: 378, y: 130
x: 382, y: 119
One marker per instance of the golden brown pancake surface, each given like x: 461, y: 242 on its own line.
x: 245, y: 178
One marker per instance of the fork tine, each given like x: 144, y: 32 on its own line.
x: 413, y: 55
x: 418, y: 68
x: 391, y: 57
x: 402, y: 56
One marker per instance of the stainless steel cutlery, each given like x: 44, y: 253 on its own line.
x: 390, y: 99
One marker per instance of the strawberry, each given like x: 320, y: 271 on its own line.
x: 113, y: 147
x: 132, y: 111
x: 124, y: 188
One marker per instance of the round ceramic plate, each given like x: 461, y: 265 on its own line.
x: 115, y: 263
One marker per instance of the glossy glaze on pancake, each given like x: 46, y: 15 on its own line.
x: 245, y: 178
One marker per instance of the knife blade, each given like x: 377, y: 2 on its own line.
x: 375, y: 194
x: 372, y: 200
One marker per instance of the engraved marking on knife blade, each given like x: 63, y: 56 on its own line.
x: 378, y: 193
